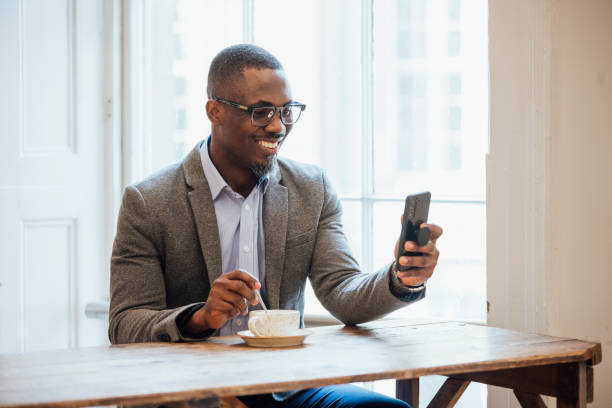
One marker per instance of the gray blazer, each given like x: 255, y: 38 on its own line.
x: 167, y: 253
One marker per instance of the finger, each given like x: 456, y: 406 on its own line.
x: 220, y: 306
x: 411, y: 281
x: 234, y: 299
x: 412, y: 246
x: 435, y: 230
x: 238, y: 310
x: 240, y: 288
x: 242, y: 307
x: 229, y: 309
x: 245, y: 308
x: 246, y: 277
x: 422, y: 261
x: 240, y: 281
x: 421, y: 274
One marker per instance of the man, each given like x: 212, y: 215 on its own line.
x: 196, y: 240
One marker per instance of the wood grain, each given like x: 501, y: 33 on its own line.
x: 225, y: 366
x: 528, y: 400
x: 231, y: 402
x: 555, y: 380
x: 448, y: 395
x: 408, y: 391
x: 573, y: 387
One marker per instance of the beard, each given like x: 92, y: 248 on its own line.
x: 263, y: 169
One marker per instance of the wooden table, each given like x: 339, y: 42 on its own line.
x: 224, y: 366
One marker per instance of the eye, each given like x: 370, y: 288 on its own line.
x: 290, y: 114
x: 263, y: 113
x: 287, y: 112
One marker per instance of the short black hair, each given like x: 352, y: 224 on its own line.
x: 231, y: 61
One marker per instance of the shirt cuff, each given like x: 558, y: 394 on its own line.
x: 183, y: 318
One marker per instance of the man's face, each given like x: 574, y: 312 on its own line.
x: 246, y: 146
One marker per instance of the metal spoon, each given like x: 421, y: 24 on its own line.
x: 260, y: 300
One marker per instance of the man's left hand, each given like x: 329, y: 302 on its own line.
x: 422, y: 267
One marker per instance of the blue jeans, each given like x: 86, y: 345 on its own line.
x: 333, y: 396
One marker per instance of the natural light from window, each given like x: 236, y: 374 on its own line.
x: 397, y: 95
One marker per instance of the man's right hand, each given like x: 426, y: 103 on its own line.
x: 227, y: 299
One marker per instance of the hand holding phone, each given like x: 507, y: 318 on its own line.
x: 416, y: 210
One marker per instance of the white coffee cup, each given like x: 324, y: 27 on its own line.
x: 274, y: 322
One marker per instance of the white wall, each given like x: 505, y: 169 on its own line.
x: 549, y: 173
x: 581, y: 179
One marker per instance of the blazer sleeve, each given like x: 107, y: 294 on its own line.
x: 349, y: 294
x: 138, y: 311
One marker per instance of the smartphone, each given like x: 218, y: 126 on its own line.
x: 416, y: 211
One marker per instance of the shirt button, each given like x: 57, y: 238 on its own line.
x: 246, y: 248
x: 247, y: 207
x: 239, y: 322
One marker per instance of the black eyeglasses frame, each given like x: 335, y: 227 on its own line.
x: 252, y: 108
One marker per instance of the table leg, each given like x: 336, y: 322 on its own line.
x: 448, y: 395
x: 212, y: 402
x: 408, y: 391
x: 563, y: 403
x: 528, y: 400
x: 230, y: 402
x: 570, y: 383
x: 573, y: 387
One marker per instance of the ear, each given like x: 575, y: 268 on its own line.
x: 214, y: 112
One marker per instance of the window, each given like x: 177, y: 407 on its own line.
x: 411, y: 149
x: 397, y: 96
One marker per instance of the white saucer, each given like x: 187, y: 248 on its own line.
x: 274, y: 341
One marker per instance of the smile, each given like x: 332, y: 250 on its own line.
x: 269, y: 145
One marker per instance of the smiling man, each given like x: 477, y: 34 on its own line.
x: 245, y: 151
x: 196, y: 240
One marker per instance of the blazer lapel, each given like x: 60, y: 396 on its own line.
x: 203, y: 209
x: 275, y: 214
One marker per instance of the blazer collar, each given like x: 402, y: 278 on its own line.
x: 203, y: 210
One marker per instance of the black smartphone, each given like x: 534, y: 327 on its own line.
x: 416, y: 211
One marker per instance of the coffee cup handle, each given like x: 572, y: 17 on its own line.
x: 253, y: 321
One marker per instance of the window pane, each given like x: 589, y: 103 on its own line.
x: 454, y: 43
x: 430, y: 99
x: 318, y: 44
x: 430, y: 105
x: 454, y: 10
x: 413, y: 143
x: 185, y: 37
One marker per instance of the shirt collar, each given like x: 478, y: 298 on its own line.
x: 215, y: 180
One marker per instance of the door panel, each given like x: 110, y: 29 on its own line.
x: 52, y: 183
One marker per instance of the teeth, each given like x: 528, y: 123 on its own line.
x: 270, y: 145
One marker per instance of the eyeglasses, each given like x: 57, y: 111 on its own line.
x: 261, y: 116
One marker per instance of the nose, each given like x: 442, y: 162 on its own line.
x: 276, y: 125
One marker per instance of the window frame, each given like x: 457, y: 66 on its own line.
x: 138, y: 139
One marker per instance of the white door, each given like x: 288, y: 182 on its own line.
x: 52, y: 253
